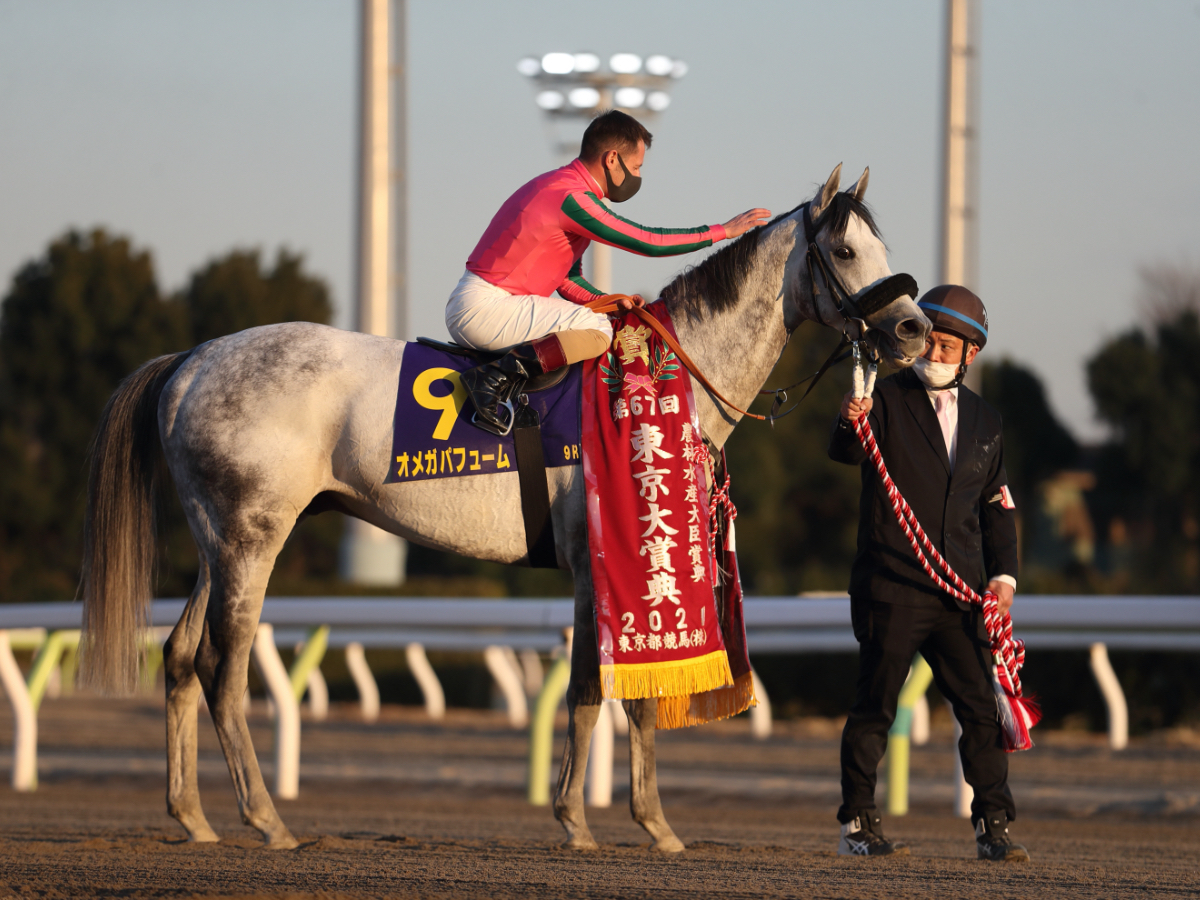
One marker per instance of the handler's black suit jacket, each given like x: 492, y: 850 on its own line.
x: 963, y: 514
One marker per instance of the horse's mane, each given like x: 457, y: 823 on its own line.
x: 714, y: 283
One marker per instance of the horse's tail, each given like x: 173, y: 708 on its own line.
x: 119, y: 533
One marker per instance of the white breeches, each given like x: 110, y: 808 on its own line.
x: 485, y: 317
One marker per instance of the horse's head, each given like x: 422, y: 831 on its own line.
x: 839, y: 275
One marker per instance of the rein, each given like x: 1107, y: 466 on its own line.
x: 608, y: 304
x: 1017, y: 713
x: 851, y: 309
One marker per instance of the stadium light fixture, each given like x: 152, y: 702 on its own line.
x: 625, y: 63
x: 584, y: 98
x: 579, y: 85
x: 558, y: 63
x: 629, y: 97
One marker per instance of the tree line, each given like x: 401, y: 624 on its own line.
x: 1120, y: 516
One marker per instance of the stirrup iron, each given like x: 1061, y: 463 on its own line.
x: 487, y: 426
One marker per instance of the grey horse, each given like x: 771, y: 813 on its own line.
x: 264, y: 427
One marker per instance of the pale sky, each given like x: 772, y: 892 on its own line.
x: 194, y: 128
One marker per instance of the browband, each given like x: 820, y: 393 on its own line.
x: 891, y: 288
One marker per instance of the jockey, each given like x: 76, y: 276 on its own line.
x: 534, y: 245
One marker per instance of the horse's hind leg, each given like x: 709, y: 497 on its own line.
x: 583, y: 707
x: 238, y: 586
x: 643, y: 776
x: 183, y: 696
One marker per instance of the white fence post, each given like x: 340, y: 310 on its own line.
x: 600, y: 760
x: 418, y: 664
x: 287, y: 713
x: 502, y: 663
x: 1114, y: 697
x: 760, y: 716
x: 364, y: 681
x: 532, y: 672
x: 619, y: 719
x: 24, y: 773
x: 318, y: 695
x: 919, y: 733
x: 963, y: 793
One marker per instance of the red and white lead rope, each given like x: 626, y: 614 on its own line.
x: 1017, y: 713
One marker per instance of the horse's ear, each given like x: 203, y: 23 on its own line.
x: 860, y: 186
x: 822, y: 201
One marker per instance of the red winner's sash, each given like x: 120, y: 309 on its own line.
x: 653, y: 562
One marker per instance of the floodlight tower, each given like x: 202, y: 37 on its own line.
x: 574, y: 87
x: 958, y: 261
x: 370, y: 555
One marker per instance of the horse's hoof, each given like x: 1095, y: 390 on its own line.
x: 581, y: 842
x: 669, y: 844
x: 208, y: 836
x: 285, y: 842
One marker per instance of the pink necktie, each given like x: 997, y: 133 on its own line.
x: 944, y: 399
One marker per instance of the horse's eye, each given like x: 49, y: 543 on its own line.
x: 844, y: 252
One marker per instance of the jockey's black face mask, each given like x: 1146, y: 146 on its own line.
x: 619, y: 193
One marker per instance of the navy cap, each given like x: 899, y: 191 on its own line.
x: 952, y: 308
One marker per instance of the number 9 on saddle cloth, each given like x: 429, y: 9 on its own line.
x: 433, y: 436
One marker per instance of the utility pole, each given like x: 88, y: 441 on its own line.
x: 370, y: 555
x: 959, y: 244
x: 400, y: 278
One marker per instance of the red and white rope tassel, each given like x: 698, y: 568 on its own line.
x: 1017, y: 714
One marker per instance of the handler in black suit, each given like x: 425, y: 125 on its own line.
x: 943, y: 448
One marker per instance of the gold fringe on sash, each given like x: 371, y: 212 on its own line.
x: 673, y: 678
x: 708, y: 706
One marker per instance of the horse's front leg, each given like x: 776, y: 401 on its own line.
x: 583, y: 707
x: 643, y: 776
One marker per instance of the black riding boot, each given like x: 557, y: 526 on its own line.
x: 493, y: 385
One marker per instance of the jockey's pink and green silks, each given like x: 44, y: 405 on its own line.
x: 651, y: 520
x: 534, y: 244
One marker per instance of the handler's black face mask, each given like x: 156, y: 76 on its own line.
x: 619, y: 193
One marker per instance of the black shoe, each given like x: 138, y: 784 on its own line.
x: 993, y: 843
x: 493, y: 385
x: 863, y: 836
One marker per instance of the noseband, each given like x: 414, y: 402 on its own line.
x: 851, y: 308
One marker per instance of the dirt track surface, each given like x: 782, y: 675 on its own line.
x: 405, y: 808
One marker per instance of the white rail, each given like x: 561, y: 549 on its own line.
x: 773, y: 624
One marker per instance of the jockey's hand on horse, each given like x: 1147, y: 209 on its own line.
x: 852, y: 409
x: 624, y: 304
x: 747, y: 220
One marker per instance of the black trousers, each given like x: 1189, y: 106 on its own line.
x: 955, y: 645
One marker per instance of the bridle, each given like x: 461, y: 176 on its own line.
x: 851, y: 308
x: 854, y: 310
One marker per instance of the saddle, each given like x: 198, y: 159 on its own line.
x: 482, y: 357
x: 527, y: 446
